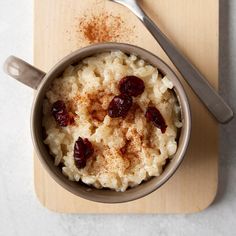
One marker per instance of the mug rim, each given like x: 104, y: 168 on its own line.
x: 180, y: 93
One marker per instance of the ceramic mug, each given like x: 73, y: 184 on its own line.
x: 41, y: 81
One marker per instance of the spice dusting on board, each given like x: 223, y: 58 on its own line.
x: 104, y: 27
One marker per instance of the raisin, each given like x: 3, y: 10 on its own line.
x: 131, y: 85
x: 119, y: 106
x: 83, y: 149
x: 154, y: 115
x: 60, y: 113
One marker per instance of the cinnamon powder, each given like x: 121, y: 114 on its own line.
x: 103, y: 27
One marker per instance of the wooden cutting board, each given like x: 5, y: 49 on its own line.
x: 193, y: 27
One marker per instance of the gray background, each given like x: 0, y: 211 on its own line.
x: 20, y: 211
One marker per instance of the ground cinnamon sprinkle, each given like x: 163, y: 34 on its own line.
x: 103, y: 27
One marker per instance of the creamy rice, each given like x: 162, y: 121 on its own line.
x: 87, y: 90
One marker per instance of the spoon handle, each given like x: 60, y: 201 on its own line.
x: 206, y: 93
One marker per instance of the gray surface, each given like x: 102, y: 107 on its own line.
x: 20, y: 211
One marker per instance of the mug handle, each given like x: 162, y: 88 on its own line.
x: 23, y: 72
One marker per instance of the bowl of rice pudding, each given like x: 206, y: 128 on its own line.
x: 110, y: 122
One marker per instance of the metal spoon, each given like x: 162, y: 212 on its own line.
x: 206, y: 93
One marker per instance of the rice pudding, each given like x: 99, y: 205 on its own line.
x: 97, y: 142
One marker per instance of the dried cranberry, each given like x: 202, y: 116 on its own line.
x: 120, y: 105
x: 79, y: 153
x: 131, y: 85
x: 60, y: 113
x: 82, y: 151
x: 154, y: 115
x: 88, y: 148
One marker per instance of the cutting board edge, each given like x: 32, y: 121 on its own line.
x: 194, y: 210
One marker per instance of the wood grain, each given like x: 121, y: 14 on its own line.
x: 192, y: 25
